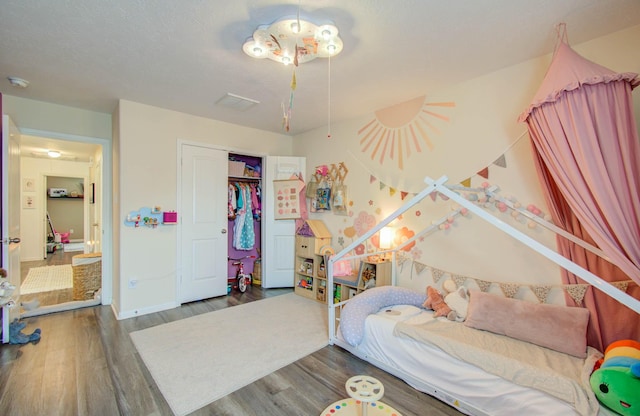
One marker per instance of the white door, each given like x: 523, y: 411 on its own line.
x: 11, y: 217
x: 203, y: 223
x: 278, y: 241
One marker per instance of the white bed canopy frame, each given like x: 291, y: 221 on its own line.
x: 440, y: 186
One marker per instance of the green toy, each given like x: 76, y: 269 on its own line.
x: 616, y: 383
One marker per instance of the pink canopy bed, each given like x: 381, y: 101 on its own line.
x: 587, y: 155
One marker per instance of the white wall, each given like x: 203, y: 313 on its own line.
x: 38, y: 115
x: 147, y: 176
x: 481, y: 127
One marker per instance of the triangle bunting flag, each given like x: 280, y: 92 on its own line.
x: 501, y: 161
x: 541, y: 292
x: 484, y: 173
x: 484, y: 285
x: 419, y: 267
x: 577, y: 292
x: 459, y: 280
x: 436, y: 274
x: 621, y: 285
x: 509, y: 289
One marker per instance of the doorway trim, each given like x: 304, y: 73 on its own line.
x: 105, y: 201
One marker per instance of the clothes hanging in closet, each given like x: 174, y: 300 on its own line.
x: 244, y: 207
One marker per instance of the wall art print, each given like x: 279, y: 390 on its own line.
x: 287, y: 199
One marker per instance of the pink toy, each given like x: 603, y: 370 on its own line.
x: 62, y: 237
x: 436, y: 302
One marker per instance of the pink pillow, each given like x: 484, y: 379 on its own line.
x: 559, y: 328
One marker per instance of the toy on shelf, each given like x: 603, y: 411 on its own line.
x: 150, y: 217
x: 150, y: 222
x: 170, y: 217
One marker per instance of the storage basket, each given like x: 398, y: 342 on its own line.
x: 236, y: 168
x: 87, y: 275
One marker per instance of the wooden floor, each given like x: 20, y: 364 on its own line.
x: 86, y: 364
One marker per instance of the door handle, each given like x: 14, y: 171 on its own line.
x: 223, y: 231
x: 11, y: 240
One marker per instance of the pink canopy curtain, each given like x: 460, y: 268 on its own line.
x: 588, y: 154
x: 604, y: 327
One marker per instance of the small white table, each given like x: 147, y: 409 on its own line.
x: 365, y: 394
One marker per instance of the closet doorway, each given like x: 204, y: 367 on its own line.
x: 204, y: 239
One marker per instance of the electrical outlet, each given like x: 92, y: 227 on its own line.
x: 71, y: 231
x: 133, y: 283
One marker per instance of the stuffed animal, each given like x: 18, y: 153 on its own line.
x: 458, y: 301
x: 17, y: 337
x: 616, y: 382
x: 436, y: 302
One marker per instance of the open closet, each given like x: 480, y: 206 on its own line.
x: 208, y: 227
x: 244, y: 215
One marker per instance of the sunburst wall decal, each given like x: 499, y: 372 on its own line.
x: 397, y: 132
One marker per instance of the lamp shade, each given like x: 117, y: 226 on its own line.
x: 386, y: 238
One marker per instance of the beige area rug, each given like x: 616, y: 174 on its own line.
x: 48, y: 278
x: 198, y: 360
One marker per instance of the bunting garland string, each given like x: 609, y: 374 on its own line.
x: 511, y: 289
x: 500, y: 161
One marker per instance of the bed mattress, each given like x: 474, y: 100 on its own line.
x: 429, y: 369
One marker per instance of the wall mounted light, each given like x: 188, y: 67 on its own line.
x: 54, y: 154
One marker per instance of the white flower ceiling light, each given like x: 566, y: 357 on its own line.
x: 292, y: 40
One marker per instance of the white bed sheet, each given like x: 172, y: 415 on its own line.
x: 463, y: 385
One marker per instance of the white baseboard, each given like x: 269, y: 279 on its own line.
x: 145, y: 311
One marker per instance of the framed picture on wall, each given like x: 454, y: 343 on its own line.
x: 287, y: 200
x: 28, y: 185
x: 92, y: 193
x: 28, y: 202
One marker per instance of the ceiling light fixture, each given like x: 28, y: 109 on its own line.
x: 18, y: 82
x: 293, y: 40
x: 54, y: 154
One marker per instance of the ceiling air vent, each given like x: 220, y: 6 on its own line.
x: 236, y: 102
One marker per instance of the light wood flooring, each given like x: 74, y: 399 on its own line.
x: 86, y: 364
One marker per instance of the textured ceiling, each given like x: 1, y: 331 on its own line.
x: 185, y: 55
